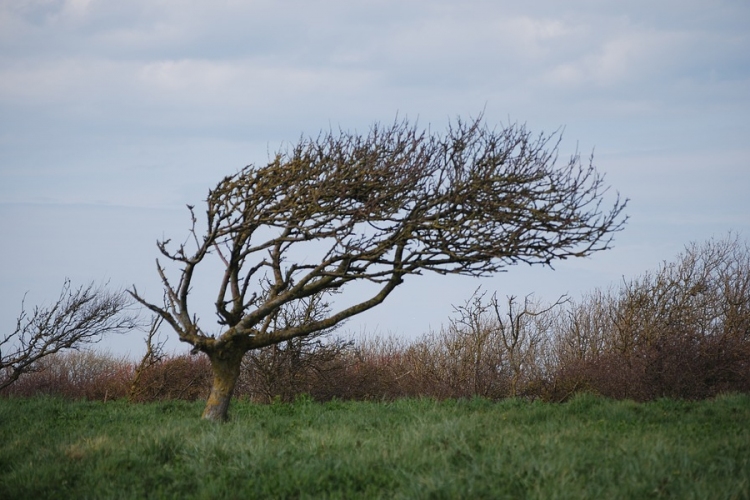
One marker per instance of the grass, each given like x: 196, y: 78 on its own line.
x: 587, y: 448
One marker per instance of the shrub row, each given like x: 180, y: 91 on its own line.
x: 682, y: 331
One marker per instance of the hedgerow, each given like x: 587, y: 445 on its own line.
x: 681, y: 331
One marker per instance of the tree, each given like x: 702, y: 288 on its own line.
x: 377, y: 207
x: 489, y: 349
x: 523, y: 330
x: 79, y: 316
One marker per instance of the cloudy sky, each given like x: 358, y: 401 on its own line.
x: 115, y: 114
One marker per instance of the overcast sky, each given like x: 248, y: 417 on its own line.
x: 116, y: 114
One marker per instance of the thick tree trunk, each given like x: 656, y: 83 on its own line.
x: 225, y: 365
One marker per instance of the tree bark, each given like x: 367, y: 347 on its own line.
x: 225, y: 365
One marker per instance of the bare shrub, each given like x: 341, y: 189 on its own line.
x: 76, y: 375
x: 682, y: 331
x: 377, y: 369
x: 183, y: 376
x: 486, y: 350
x: 303, y: 365
x: 154, y: 354
x: 490, y: 349
x: 469, y: 357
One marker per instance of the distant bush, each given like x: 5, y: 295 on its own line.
x: 682, y: 331
x: 487, y: 350
x: 304, y: 365
x: 76, y: 375
x: 182, y: 376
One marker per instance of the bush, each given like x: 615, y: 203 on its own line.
x: 184, y: 376
x: 76, y: 375
x: 682, y: 331
x: 304, y: 365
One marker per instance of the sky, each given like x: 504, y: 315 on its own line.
x: 114, y: 115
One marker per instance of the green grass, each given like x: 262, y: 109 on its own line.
x: 588, y: 448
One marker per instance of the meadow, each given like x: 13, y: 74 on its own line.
x: 588, y: 447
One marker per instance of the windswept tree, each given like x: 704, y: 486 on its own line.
x: 80, y: 316
x: 344, y: 207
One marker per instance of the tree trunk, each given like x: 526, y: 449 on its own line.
x: 225, y: 365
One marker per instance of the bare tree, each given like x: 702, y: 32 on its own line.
x: 79, y: 316
x: 473, y: 348
x: 376, y: 208
x: 523, y: 330
x: 494, y: 350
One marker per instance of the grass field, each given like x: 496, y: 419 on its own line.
x: 587, y: 448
